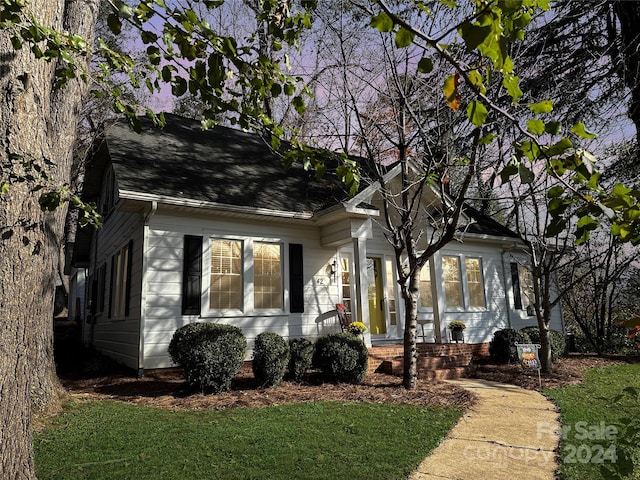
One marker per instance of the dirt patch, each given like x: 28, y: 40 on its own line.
x: 166, y: 388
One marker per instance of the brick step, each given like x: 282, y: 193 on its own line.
x: 443, y: 373
x: 430, y: 368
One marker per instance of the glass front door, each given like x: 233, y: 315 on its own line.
x: 377, y: 321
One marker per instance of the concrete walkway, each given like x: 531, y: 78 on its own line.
x: 511, y: 433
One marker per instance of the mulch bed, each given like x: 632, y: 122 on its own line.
x: 166, y: 388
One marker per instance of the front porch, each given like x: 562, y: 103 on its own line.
x: 436, y: 361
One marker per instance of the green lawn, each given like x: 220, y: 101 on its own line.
x: 596, y: 444
x: 109, y: 440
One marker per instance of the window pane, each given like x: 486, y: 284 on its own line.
x: 345, y: 281
x: 426, y: 298
x: 475, y: 282
x: 267, y: 276
x: 526, y: 286
x: 391, y: 296
x: 452, y: 284
x: 225, y: 291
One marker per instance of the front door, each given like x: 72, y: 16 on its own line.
x: 377, y: 321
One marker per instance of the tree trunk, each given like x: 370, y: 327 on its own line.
x: 410, y: 297
x: 37, y: 124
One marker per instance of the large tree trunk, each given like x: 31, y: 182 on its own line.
x: 37, y: 124
x: 410, y: 297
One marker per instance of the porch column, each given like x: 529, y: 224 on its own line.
x: 437, y: 293
x: 362, y: 291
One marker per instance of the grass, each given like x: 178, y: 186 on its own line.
x: 598, y: 420
x: 107, y: 440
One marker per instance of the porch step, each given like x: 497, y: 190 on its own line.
x: 439, y: 367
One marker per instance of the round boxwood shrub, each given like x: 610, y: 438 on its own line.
x: 502, y: 347
x: 270, y: 359
x: 183, y: 339
x: 301, y: 355
x: 211, y: 355
x: 342, y: 358
x: 558, y: 342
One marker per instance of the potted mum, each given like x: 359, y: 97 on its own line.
x: 456, y: 327
x: 357, y: 328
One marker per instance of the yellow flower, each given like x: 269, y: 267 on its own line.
x: 357, y: 328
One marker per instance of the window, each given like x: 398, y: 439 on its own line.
x: 101, y: 283
x: 426, y: 296
x: 120, y: 283
x: 226, y: 275
x: 452, y: 282
x: 526, y: 286
x: 267, y: 276
x: 345, y: 282
x: 108, y: 196
x: 391, y: 295
x: 475, y: 282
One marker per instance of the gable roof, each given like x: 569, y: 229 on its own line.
x: 220, y: 166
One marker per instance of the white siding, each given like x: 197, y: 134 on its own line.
x: 518, y: 317
x: 164, y: 281
x: 119, y: 338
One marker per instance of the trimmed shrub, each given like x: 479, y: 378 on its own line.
x: 211, y: 355
x: 342, y: 357
x: 502, y: 347
x: 183, y: 339
x: 270, y: 359
x: 558, y: 342
x: 301, y: 355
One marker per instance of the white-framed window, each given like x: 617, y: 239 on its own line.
x: 108, y: 194
x: 120, y: 282
x: 246, y: 276
x: 267, y: 276
x: 227, y: 275
x: 526, y: 286
x: 475, y: 282
x: 452, y: 282
x: 426, y: 294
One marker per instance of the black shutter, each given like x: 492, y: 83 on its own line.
x: 296, y: 278
x: 112, y: 284
x: 192, y: 275
x: 515, y: 282
x: 127, y: 297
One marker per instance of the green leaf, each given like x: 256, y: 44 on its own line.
x: 555, y: 192
x: 580, y: 130
x: 487, y: 139
x: 531, y: 150
x: 178, y: 86
x: 553, y: 128
x: 526, y: 175
x: 507, y: 172
x: 560, y: 147
x: 510, y: 82
x: 404, y: 37
x: 477, y: 113
x: 535, y: 126
x: 114, y: 23
x: 382, y: 22
x: 556, y: 226
x: 4, y: 189
x: 474, y: 35
x: 425, y: 65
x: 542, y: 107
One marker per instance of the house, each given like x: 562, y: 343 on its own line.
x: 208, y: 226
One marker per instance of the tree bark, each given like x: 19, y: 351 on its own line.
x: 38, y: 125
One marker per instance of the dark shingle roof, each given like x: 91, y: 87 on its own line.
x: 221, y: 165
x: 485, y: 225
